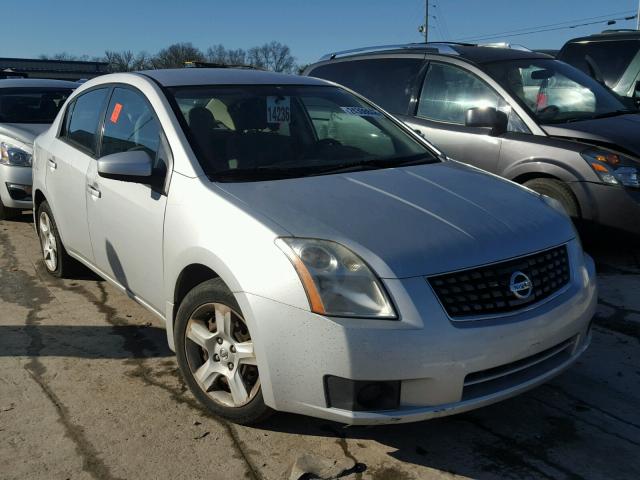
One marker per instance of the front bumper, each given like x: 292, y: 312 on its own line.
x: 432, y: 356
x: 611, y: 206
x: 19, y: 176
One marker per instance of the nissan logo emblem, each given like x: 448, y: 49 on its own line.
x: 521, y: 285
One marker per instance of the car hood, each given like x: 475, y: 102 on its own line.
x: 411, y: 221
x: 622, y: 131
x: 24, y: 132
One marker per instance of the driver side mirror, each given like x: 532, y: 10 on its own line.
x: 487, y: 117
x: 131, y: 166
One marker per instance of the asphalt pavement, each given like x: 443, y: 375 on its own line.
x: 89, y: 389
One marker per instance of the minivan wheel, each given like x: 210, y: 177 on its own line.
x: 56, y: 259
x: 557, y: 190
x: 216, y: 356
x: 7, y: 213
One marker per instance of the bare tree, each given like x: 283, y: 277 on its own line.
x: 272, y: 56
x: 220, y: 54
x: 127, y: 61
x: 174, y: 56
x: 64, y: 56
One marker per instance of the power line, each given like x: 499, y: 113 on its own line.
x: 442, y: 23
x: 560, y: 26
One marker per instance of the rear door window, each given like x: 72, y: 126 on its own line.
x: 82, y: 127
x: 611, y: 57
x: 385, y: 81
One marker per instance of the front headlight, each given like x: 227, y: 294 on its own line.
x: 12, y: 155
x: 613, y: 168
x: 336, y: 280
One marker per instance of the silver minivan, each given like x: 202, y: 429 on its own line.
x: 307, y: 252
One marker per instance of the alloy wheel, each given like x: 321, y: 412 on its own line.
x: 220, y: 355
x: 48, y: 242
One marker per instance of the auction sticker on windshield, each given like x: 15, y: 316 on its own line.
x: 361, y: 111
x: 278, y: 109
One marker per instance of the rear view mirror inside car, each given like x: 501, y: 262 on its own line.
x: 543, y: 74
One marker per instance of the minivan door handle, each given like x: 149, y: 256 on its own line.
x: 93, y: 191
x: 52, y: 164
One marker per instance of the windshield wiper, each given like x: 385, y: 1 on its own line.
x: 376, y: 164
x: 614, y: 113
x: 255, y: 174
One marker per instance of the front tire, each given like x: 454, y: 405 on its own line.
x: 557, y: 190
x: 56, y: 259
x: 215, y: 354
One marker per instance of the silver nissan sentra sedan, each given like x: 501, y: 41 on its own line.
x: 27, y: 108
x: 307, y: 252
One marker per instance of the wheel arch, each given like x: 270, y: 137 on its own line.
x: 190, y: 277
x: 38, y: 198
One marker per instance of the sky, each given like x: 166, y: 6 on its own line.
x: 311, y: 28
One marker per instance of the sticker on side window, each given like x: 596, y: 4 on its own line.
x: 278, y: 109
x: 116, y: 113
x: 361, y: 111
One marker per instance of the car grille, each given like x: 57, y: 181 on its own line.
x: 488, y: 290
x: 493, y: 380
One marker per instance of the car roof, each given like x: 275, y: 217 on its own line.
x: 479, y: 54
x: 608, y: 35
x: 474, y: 53
x: 226, y: 76
x: 36, y: 83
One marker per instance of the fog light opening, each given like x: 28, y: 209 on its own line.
x: 362, y: 395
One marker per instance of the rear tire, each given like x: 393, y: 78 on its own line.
x: 56, y: 259
x: 557, y: 190
x: 214, y: 350
x: 7, y: 213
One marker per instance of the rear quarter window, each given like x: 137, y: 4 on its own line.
x: 386, y: 81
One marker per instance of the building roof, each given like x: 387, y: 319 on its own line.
x: 225, y: 76
x: 36, y: 83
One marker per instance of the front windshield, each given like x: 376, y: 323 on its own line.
x: 31, y: 105
x: 555, y: 92
x: 249, y: 132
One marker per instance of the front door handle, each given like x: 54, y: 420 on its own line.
x: 52, y: 164
x: 93, y: 191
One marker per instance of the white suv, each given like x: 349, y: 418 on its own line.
x: 308, y: 252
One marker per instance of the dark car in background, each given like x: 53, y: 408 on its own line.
x: 517, y: 113
x: 611, y: 57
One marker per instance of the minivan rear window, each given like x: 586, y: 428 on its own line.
x: 612, y: 57
x: 385, y: 81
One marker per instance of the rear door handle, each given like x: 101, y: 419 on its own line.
x: 52, y: 164
x: 93, y: 191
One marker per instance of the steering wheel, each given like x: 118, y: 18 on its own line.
x: 328, y: 142
x: 549, y: 111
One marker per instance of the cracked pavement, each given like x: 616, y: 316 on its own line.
x: 89, y: 389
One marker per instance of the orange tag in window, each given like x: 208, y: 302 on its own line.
x: 116, y: 113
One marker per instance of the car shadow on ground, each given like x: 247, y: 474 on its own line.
x: 85, y: 341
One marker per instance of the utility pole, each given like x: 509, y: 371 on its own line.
x: 426, y: 21
x: 424, y: 29
x: 638, y: 17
